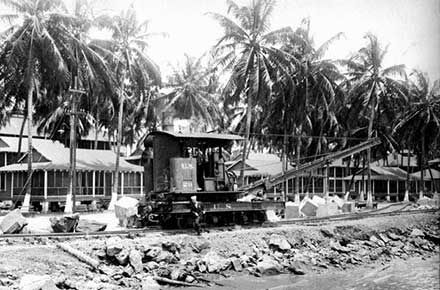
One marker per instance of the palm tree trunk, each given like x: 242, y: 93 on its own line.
x: 422, y: 165
x: 147, y: 107
x: 96, y: 128
x: 118, y: 152
x: 298, y: 158
x: 361, y: 194
x: 286, y: 185
x: 408, y: 176
x: 370, y: 131
x: 347, y: 194
x: 21, y: 135
x: 246, y: 139
x: 28, y: 184
x: 71, y: 196
x: 434, y: 186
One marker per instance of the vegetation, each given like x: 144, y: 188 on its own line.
x: 280, y: 91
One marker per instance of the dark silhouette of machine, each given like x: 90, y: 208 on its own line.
x: 178, y: 166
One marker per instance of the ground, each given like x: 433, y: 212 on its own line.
x: 309, y: 248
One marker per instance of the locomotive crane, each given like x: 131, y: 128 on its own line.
x: 180, y: 165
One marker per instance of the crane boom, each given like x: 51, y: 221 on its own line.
x: 271, y: 181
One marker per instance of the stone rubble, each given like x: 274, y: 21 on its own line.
x: 132, y: 264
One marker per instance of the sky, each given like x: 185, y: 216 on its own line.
x: 410, y: 28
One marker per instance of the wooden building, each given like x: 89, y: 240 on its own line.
x: 50, y: 180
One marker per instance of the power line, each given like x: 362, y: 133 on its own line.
x: 303, y: 136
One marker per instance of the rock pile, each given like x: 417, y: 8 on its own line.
x: 341, y: 247
x: 131, y: 263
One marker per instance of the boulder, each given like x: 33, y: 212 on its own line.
x: 337, y: 200
x: 177, y: 274
x: 122, y: 257
x: 417, y: 233
x: 151, y: 265
x: 419, y: 242
x: 337, y: 247
x: 166, y: 257
x: 383, y: 237
x: 318, y: 200
x: 308, y: 207
x: 429, y: 202
x: 125, y: 208
x: 113, y: 246
x: 135, y: 258
x: 268, y: 266
x: 214, y: 262
x: 327, y: 209
x: 128, y: 271
x: 296, y: 269
x: 90, y: 226
x: 66, y: 224
x: 200, y: 247
x: 292, y: 210
x: 149, y: 283
x: 279, y: 243
x: 170, y: 246
x: 327, y: 233
x: 153, y: 253
x: 37, y: 282
x: 348, y: 207
x: 236, y: 264
x: 393, y: 236
x: 201, y: 266
x: 13, y: 223
x: 378, y: 242
x: 189, y: 279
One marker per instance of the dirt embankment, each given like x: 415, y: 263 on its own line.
x: 131, y: 263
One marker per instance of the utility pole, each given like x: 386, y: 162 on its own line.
x: 71, y: 196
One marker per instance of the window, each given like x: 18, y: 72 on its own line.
x: 331, y: 184
x: 37, y: 179
x: 2, y: 181
x: 2, y: 159
x: 339, y: 172
x: 339, y: 185
x: 50, y: 179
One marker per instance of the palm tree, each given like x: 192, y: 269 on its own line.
x: 31, y: 48
x: 194, y: 92
x: 372, y: 85
x: 135, y: 71
x: 420, y: 124
x: 308, y: 96
x: 90, y: 74
x: 246, y: 50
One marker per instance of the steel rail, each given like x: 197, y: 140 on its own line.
x: 356, y: 216
x: 152, y: 230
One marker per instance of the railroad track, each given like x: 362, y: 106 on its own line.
x: 152, y: 230
x: 355, y: 216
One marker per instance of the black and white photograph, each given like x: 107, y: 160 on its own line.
x: 219, y: 144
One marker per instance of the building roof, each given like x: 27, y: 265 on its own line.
x: 13, y: 126
x: 427, y: 174
x: 200, y: 140
x: 397, y: 160
x: 210, y: 136
x: 58, y: 156
x: 259, y: 165
x: 381, y: 173
x: 11, y: 144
